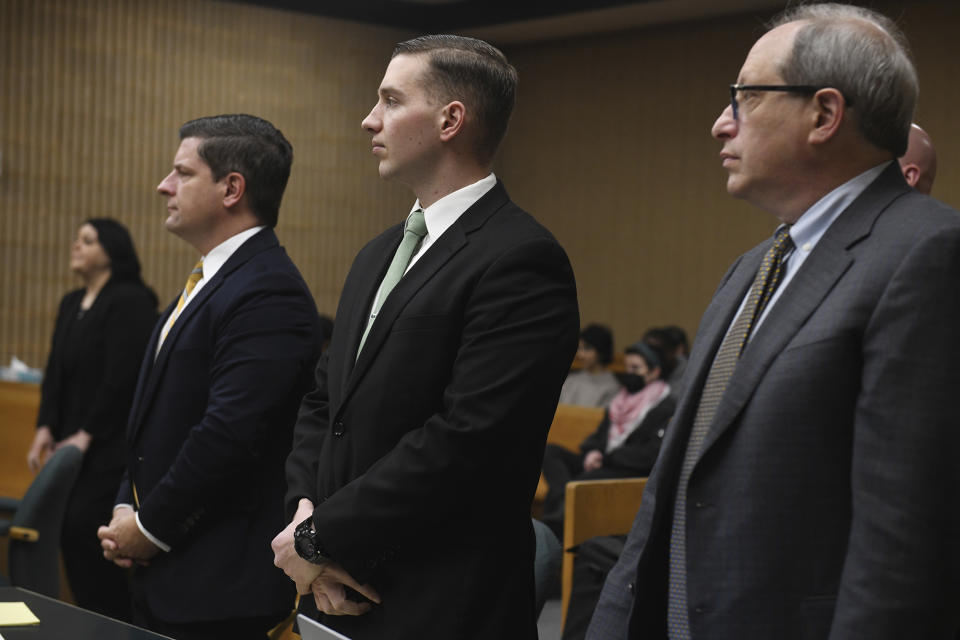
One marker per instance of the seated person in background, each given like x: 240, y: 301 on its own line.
x: 592, y: 385
x: 593, y: 561
x: 672, y: 343
x: 626, y: 442
x: 681, y: 352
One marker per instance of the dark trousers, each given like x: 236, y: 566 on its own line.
x: 97, y: 585
x: 593, y: 562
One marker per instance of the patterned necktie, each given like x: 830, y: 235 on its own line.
x: 764, y: 284
x: 413, y: 233
x: 195, y: 276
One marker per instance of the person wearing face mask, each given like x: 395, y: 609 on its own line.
x: 627, y: 440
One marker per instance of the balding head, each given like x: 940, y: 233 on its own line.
x: 919, y: 163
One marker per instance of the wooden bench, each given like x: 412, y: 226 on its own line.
x: 595, y: 508
x: 19, y: 404
x: 617, y: 366
x: 571, y: 425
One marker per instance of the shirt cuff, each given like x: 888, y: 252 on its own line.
x: 122, y: 505
x: 163, y: 546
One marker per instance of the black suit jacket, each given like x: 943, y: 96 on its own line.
x: 824, y: 501
x: 211, y: 424
x: 423, y: 455
x: 92, y: 368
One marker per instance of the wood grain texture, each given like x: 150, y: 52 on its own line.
x: 93, y: 94
x: 609, y: 146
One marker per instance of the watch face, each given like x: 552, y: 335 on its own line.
x: 307, y: 549
x: 303, y: 543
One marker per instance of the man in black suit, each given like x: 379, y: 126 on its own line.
x: 212, y: 418
x: 417, y: 455
x: 808, y: 484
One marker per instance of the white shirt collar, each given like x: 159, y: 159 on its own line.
x: 812, y: 225
x: 444, y: 212
x: 815, y: 221
x: 222, y: 252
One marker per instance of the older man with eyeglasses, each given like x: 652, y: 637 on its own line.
x: 808, y: 485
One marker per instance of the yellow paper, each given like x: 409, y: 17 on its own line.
x: 16, y: 614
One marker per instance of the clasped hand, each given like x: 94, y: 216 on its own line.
x: 326, y: 580
x: 122, y: 541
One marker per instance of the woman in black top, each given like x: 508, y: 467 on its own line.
x: 98, y: 343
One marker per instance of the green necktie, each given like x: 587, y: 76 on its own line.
x: 413, y: 234
x: 764, y: 284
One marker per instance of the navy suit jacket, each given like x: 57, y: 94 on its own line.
x: 423, y: 455
x: 211, y: 424
x: 824, y: 501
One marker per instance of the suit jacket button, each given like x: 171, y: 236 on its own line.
x: 631, y: 587
x: 338, y: 429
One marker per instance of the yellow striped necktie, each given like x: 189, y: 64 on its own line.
x: 195, y: 276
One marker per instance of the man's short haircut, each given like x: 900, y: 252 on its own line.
x: 865, y: 56
x: 473, y: 72
x: 250, y: 146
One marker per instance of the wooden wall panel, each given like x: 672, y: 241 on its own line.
x: 92, y: 96
x: 610, y: 148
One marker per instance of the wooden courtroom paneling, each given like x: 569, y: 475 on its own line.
x: 91, y: 97
x: 610, y: 148
x: 18, y: 415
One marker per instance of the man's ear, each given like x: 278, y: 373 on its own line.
x: 911, y: 173
x: 236, y: 186
x: 452, y: 118
x: 830, y: 112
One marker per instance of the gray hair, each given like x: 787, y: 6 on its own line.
x: 866, y: 57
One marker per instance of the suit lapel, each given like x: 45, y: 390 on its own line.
x: 150, y: 379
x: 145, y: 382
x: 369, y: 274
x: 819, y: 273
x: 436, y: 256
x: 716, y: 319
x: 419, y: 274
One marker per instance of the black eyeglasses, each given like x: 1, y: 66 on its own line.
x: 805, y: 89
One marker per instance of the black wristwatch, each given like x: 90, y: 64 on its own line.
x: 307, y: 544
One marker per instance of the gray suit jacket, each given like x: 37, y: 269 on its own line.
x: 824, y: 503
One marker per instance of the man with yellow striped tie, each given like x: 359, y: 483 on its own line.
x: 217, y: 397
